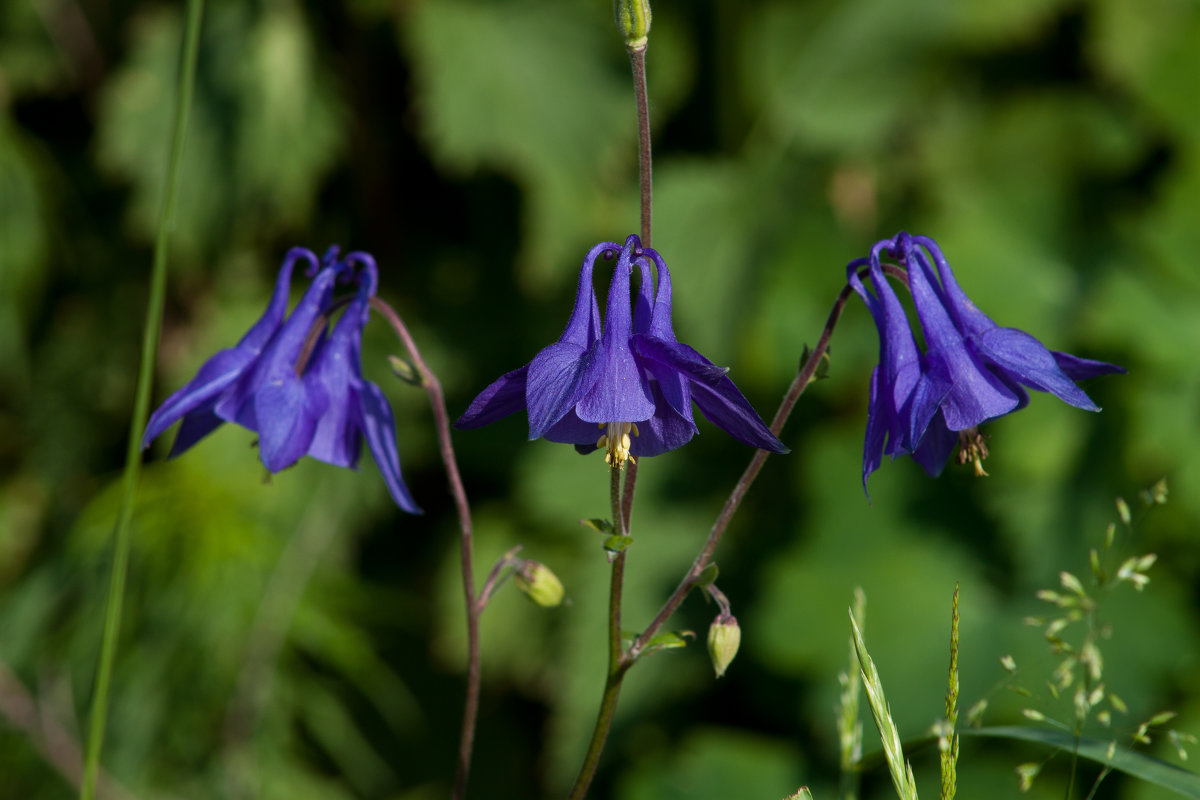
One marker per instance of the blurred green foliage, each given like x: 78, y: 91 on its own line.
x: 298, y: 637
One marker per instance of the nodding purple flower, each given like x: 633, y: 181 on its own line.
x: 628, y: 387
x: 301, y: 395
x: 971, y: 370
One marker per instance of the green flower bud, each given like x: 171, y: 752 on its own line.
x: 633, y: 21
x: 724, y: 636
x: 540, y: 584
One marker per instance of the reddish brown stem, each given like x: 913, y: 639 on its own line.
x: 442, y: 424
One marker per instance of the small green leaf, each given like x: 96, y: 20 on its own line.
x: 617, y: 543
x: 598, y: 525
x: 706, y: 578
x: 822, y: 370
x: 668, y: 640
x: 405, y: 371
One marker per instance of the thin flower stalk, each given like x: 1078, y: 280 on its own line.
x: 441, y: 419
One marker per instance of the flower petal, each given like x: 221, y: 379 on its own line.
x: 336, y: 371
x: 616, y: 389
x: 877, y: 429
x: 935, y: 446
x: 975, y: 394
x: 670, y: 386
x: 899, y: 359
x: 572, y: 430
x: 724, y: 405
x: 643, y: 309
x: 380, y: 430
x: 583, y: 327
x: 261, y: 332
x: 1078, y: 369
x: 678, y: 357
x: 194, y: 402
x: 286, y: 415
x: 279, y: 356
x: 1026, y: 360
x: 554, y: 384
x: 966, y: 315
x: 505, y: 396
x: 660, y: 322
x: 663, y: 432
x: 213, y: 378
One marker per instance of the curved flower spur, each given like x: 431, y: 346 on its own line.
x: 627, y: 388
x: 971, y: 371
x: 300, y: 388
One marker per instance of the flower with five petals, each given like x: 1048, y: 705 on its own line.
x: 971, y: 370
x: 631, y: 378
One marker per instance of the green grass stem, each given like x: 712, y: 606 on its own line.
x: 893, y: 751
x: 141, y: 409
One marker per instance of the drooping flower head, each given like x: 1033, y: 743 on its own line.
x: 194, y: 403
x: 970, y: 371
x: 627, y: 386
x: 297, y: 386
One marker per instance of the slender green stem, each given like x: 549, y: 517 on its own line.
x: 618, y: 573
x: 608, y: 708
x: 141, y: 410
x: 437, y: 400
x: 617, y: 665
x: 631, y: 471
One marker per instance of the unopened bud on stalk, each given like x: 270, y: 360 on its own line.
x: 540, y: 584
x: 633, y: 21
x: 724, y: 636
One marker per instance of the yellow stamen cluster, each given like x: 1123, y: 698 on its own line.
x: 972, y: 447
x: 616, y: 442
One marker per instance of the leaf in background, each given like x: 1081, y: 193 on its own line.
x: 28, y: 61
x: 289, y: 121
x: 714, y: 764
x: 264, y: 130
x: 23, y: 242
x: 839, y: 75
x: 514, y: 88
x: 1150, y: 48
x: 997, y: 23
x: 133, y: 127
x: 706, y: 219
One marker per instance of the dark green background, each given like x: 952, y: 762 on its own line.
x: 300, y: 638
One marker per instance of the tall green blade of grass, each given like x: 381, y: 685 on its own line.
x: 141, y: 408
x: 893, y: 751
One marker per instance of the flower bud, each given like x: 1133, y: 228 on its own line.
x: 540, y: 584
x: 633, y: 21
x: 724, y: 636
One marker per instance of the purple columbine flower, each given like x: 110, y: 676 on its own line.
x: 301, y: 395
x: 972, y: 370
x: 632, y: 379
x: 194, y: 403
